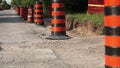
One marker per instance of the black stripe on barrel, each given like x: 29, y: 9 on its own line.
x: 111, y: 66
x: 58, y: 25
x: 39, y: 8
x: 112, y: 10
x: 112, y: 51
x: 112, y: 31
x: 41, y: 13
x: 58, y: 9
x: 58, y: 17
x: 58, y: 1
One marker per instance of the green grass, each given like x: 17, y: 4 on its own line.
x: 96, y: 18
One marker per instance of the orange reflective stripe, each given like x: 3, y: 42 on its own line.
x: 38, y: 5
x: 54, y: 29
x: 57, y: 13
x: 36, y: 15
x: 38, y: 10
x: 112, y: 20
x: 38, y: 20
x: 112, y: 2
x: 58, y: 21
x: 112, y: 61
x: 29, y: 19
x: 57, y: 5
x: 112, y: 41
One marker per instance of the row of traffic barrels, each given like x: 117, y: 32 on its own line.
x: 57, y: 12
x: 32, y: 14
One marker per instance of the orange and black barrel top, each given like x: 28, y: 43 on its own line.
x: 30, y: 14
x: 38, y: 14
x: 25, y: 13
x: 112, y: 33
x: 58, y: 30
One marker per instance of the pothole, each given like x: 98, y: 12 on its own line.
x: 1, y: 48
x: 1, y: 43
x: 43, y: 34
x: 24, y: 46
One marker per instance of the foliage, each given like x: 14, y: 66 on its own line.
x: 4, y: 5
x: 71, y: 5
x: 15, y: 3
x: 27, y: 3
x: 96, y: 18
x: 24, y: 3
x: 46, y: 4
x: 0, y: 1
x: 76, y: 5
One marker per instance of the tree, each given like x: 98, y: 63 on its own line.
x: 0, y: 1
x: 15, y: 3
x: 46, y: 4
x: 5, y: 5
x: 76, y: 5
x: 24, y: 3
x: 27, y: 3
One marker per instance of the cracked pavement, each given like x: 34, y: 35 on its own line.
x: 23, y: 45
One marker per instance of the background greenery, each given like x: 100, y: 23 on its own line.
x: 4, y: 5
x: 96, y: 18
x: 71, y: 5
x: 75, y: 8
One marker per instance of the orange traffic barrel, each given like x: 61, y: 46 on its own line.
x: 30, y: 14
x: 21, y: 11
x: 25, y: 11
x: 112, y: 33
x: 17, y: 10
x: 58, y: 30
x: 95, y: 6
x: 38, y: 14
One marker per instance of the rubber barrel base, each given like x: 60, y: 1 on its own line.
x: 40, y: 24
x: 60, y: 37
x: 30, y: 21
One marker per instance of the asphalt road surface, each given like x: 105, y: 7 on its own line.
x: 23, y: 45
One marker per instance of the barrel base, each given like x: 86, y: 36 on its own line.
x: 40, y: 24
x: 30, y: 21
x: 61, y: 37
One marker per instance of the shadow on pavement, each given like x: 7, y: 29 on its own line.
x: 0, y: 43
x: 10, y: 18
x: 8, y: 14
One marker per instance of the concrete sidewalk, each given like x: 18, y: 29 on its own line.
x: 24, y: 46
